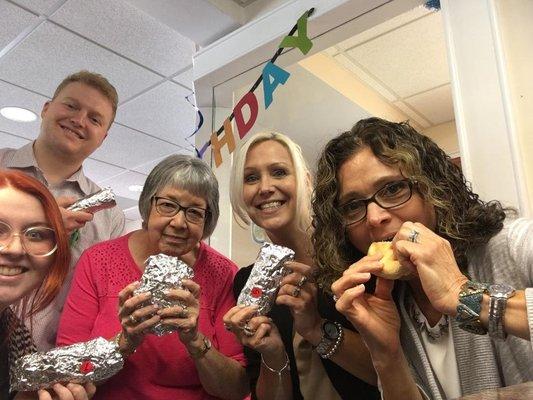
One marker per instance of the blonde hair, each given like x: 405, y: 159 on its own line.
x: 303, y: 179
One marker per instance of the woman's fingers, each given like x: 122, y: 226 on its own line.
x: 346, y: 301
x: 127, y: 292
x: 348, y: 281
x: 90, y: 388
x: 133, y: 303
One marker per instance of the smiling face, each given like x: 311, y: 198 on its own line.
x: 269, y: 186
x: 175, y: 236
x: 359, y: 178
x: 20, y: 273
x: 76, y: 121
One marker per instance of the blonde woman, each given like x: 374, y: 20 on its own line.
x: 303, y: 348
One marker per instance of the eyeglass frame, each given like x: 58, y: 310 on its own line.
x: 22, y: 241
x: 179, y: 208
x: 372, y: 199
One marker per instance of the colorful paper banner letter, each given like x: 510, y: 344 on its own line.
x: 301, y: 41
x: 278, y: 74
x: 242, y: 126
x: 217, y: 143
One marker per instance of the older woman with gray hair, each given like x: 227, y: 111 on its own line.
x: 201, y: 360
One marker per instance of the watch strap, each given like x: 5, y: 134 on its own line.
x: 469, y: 307
x: 497, y: 306
x: 200, y: 353
x: 327, y: 347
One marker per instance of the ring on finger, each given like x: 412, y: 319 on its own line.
x: 413, y: 236
x: 302, y: 281
x: 247, y: 330
x: 296, y: 291
x: 132, y: 319
x: 184, y: 313
x: 227, y: 327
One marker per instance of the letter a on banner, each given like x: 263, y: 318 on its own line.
x: 278, y: 74
x: 216, y: 143
x: 243, y: 127
x: 301, y: 41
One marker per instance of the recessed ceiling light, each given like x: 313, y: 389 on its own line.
x: 135, y: 188
x: 18, y: 114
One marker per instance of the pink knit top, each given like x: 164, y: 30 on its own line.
x: 161, y: 368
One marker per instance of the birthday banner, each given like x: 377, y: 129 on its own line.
x: 272, y: 76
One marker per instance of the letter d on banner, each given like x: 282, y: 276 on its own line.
x: 244, y: 127
x: 216, y: 143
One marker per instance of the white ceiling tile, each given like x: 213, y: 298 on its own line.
x: 60, y: 53
x: 185, y: 78
x: 121, y: 183
x: 409, y: 60
x: 385, y: 27
x: 436, y: 105
x: 125, y: 203
x: 171, y: 117
x: 15, y: 21
x: 363, y: 76
x: 147, y: 167
x: 98, y: 170
x: 128, y: 148
x: 127, y: 30
x: 10, y: 141
x: 412, y: 114
x: 40, y: 6
x: 15, y: 96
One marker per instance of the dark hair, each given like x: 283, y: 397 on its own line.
x: 462, y: 218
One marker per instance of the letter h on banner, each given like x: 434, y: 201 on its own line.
x: 217, y: 143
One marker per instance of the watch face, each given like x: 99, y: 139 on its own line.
x: 500, y: 289
x: 331, y: 330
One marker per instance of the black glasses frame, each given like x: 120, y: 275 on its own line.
x: 179, y: 208
x: 372, y: 199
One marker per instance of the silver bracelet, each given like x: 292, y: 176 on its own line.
x: 277, y: 371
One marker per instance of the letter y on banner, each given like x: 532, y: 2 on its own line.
x: 301, y: 41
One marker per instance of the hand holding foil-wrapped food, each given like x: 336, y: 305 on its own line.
x: 265, y: 278
x: 91, y: 361
x: 161, y: 274
x: 94, y: 202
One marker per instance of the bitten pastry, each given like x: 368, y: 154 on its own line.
x: 392, y: 269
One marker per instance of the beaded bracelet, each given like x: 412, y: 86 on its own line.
x: 277, y: 371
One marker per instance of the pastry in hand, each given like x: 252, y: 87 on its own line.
x: 392, y: 269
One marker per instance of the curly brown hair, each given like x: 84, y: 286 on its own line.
x: 462, y: 218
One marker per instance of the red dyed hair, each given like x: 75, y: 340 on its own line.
x: 61, y: 258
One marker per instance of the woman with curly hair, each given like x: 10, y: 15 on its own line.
x: 468, y: 264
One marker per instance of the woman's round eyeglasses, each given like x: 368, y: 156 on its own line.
x: 37, y: 241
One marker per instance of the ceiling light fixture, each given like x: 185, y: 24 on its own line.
x: 18, y: 114
x: 135, y: 188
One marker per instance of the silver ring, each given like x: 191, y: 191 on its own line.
x: 247, y: 330
x: 296, y: 291
x: 302, y: 281
x: 413, y: 236
x: 335, y: 298
x: 132, y: 319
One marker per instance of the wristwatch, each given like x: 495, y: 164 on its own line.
x: 332, y: 335
x: 469, y: 307
x: 203, y: 351
x: 499, y: 293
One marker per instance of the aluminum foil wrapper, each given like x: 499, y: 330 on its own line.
x: 264, y: 280
x: 161, y: 273
x: 95, y: 360
x: 92, y: 203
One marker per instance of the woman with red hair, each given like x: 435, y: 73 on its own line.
x: 34, y: 258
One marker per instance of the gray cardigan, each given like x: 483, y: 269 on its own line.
x: 483, y: 363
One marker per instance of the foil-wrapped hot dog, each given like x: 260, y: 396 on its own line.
x: 94, y: 202
x: 95, y: 360
x: 264, y: 280
x: 161, y: 273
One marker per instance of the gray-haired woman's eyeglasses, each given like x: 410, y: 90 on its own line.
x: 169, y: 208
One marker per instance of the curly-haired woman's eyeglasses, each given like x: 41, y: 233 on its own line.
x: 393, y: 194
